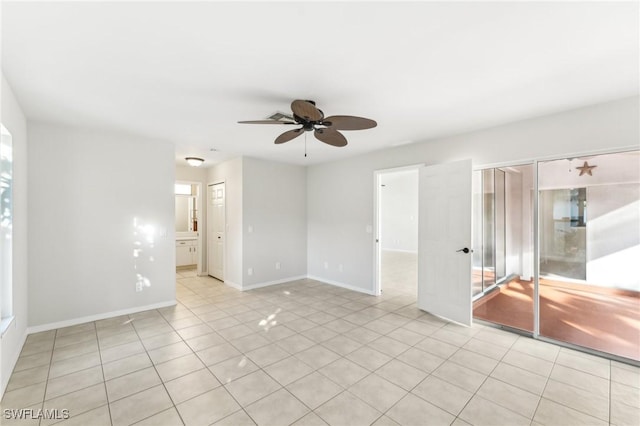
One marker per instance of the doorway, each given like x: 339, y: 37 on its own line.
x: 442, y: 194
x: 216, y: 224
x: 188, y: 206
x: 397, y: 231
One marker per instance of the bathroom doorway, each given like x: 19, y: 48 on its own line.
x: 188, y: 223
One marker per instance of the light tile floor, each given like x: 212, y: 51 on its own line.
x: 307, y: 353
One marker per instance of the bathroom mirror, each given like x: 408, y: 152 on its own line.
x: 186, y: 209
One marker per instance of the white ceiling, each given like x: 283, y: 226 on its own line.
x: 187, y: 72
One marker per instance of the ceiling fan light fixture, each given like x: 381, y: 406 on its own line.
x: 194, y: 161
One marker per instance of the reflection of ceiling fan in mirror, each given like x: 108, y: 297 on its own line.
x: 325, y: 129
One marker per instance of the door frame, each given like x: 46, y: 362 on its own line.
x: 377, y: 248
x: 224, y: 242
x: 199, y: 266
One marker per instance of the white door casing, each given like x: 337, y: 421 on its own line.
x: 216, y: 231
x: 444, y: 271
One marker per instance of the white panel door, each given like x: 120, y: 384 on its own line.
x: 444, y: 247
x: 216, y: 231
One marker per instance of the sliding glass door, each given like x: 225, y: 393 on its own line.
x: 589, y: 229
x: 502, y: 243
x: 489, y: 240
x: 588, y: 233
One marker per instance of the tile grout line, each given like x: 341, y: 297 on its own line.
x: 207, y: 368
x: 46, y: 383
x: 546, y: 384
x: 104, y: 379
x: 483, y: 382
x: 153, y: 364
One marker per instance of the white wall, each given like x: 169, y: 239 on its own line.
x: 613, y: 236
x: 527, y: 226
x: 275, y: 222
x: 340, y: 194
x: 14, y: 120
x: 230, y: 172
x: 191, y: 174
x: 513, y: 222
x: 86, y: 190
x: 519, y: 217
x: 399, y: 211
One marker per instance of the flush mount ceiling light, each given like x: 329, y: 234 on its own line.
x: 194, y: 161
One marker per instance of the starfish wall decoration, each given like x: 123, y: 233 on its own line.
x: 586, y: 169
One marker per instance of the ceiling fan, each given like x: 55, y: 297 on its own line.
x: 325, y: 129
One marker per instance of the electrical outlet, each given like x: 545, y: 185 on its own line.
x: 326, y: 265
x: 138, y: 286
x: 250, y: 271
x: 277, y: 265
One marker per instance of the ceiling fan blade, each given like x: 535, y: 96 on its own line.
x: 348, y: 122
x: 266, y: 122
x: 331, y: 137
x: 306, y: 110
x: 287, y: 136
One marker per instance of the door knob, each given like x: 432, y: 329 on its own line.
x: 464, y: 250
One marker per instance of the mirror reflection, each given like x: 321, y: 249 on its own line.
x: 186, y: 208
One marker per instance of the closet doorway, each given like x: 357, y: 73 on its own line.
x: 216, y: 223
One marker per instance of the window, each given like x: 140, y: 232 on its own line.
x: 6, y: 229
x: 183, y: 189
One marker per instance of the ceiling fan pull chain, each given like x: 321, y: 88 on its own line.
x: 305, y: 144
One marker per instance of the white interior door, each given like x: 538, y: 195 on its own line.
x: 444, y: 266
x: 216, y: 231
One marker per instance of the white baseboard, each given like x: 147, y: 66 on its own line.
x: 275, y: 282
x: 343, y: 285
x: 97, y: 317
